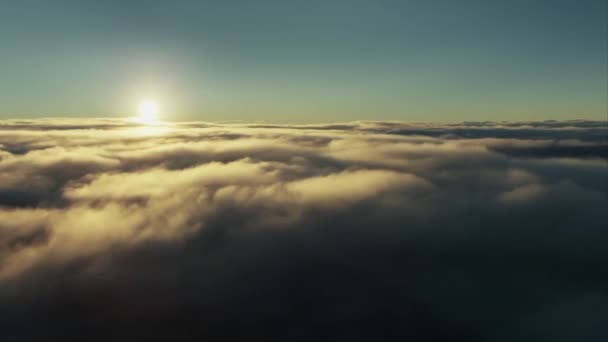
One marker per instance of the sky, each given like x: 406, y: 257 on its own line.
x: 305, y: 61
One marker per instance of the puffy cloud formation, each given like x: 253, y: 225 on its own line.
x: 366, y: 231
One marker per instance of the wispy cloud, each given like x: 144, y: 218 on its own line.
x: 473, y: 231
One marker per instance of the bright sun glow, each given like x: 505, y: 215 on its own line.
x: 148, y: 112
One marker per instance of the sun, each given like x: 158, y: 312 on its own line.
x: 148, y: 112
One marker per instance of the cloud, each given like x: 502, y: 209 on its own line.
x: 357, y: 231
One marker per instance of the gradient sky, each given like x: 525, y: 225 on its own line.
x: 330, y: 60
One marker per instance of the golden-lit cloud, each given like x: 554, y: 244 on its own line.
x: 205, y: 220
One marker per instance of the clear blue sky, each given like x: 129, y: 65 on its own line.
x: 330, y: 60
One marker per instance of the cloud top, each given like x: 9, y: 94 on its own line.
x: 356, y: 231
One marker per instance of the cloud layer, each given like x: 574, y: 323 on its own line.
x: 357, y: 231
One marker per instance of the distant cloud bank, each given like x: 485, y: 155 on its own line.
x: 365, y: 231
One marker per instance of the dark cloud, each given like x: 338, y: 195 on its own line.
x: 556, y: 151
x: 356, y: 232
